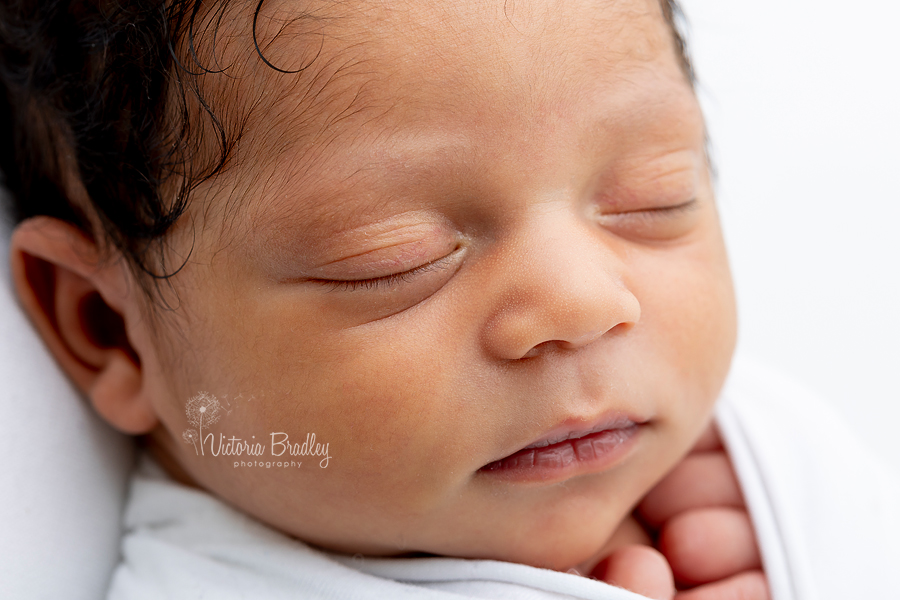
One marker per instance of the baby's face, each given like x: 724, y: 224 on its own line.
x: 492, y: 229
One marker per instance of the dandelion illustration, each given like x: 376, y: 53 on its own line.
x: 203, y: 409
x: 190, y: 437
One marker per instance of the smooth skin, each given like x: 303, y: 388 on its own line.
x: 484, y: 224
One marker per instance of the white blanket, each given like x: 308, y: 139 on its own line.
x: 825, y: 513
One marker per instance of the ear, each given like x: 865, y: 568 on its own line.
x: 82, y: 307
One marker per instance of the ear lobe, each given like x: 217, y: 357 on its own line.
x: 80, y: 307
x: 116, y: 395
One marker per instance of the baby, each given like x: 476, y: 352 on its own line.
x: 397, y: 279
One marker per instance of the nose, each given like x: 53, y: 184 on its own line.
x: 558, y: 287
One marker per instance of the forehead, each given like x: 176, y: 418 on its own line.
x: 404, y: 88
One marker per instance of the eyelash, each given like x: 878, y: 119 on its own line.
x: 663, y: 211
x: 388, y: 280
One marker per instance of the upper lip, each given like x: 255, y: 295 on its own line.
x: 571, y: 429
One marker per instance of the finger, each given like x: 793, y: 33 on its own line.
x: 749, y: 585
x: 700, y: 480
x: 709, y: 440
x: 639, y: 569
x: 709, y: 544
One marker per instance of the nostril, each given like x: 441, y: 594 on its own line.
x: 551, y: 345
x: 620, y: 328
x: 582, y: 340
x: 535, y: 351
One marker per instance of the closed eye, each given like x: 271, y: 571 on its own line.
x: 661, y: 211
x: 653, y: 224
x: 388, y: 281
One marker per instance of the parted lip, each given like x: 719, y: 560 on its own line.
x: 573, y: 429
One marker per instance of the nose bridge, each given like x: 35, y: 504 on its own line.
x: 561, y: 287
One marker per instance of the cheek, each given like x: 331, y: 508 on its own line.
x: 388, y: 400
x: 688, y: 306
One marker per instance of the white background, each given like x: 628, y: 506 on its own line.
x: 803, y: 104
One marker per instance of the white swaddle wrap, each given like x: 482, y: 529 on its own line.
x: 825, y: 513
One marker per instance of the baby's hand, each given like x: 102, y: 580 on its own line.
x: 704, y: 531
x: 640, y: 569
x: 644, y: 570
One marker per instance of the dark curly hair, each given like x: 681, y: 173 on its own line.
x: 110, y: 89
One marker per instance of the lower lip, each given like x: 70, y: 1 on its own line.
x: 589, y: 454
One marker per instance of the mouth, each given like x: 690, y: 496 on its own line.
x: 569, y: 450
